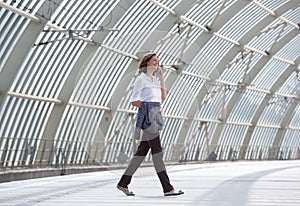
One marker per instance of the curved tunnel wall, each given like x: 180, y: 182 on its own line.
x: 231, y: 69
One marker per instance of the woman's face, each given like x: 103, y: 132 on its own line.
x: 153, y: 63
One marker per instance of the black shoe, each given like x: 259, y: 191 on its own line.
x: 125, y: 190
x: 174, y: 192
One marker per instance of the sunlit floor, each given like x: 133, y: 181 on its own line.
x: 215, y: 184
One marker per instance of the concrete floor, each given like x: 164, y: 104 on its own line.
x: 212, y: 184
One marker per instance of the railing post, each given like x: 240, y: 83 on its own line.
x: 63, y: 162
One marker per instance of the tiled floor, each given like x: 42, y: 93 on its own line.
x: 216, y: 184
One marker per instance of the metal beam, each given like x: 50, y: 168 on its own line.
x: 260, y: 63
x: 70, y: 83
x: 33, y: 27
x: 163, y: 7
x: 19, y: 12
x: 275, y: 14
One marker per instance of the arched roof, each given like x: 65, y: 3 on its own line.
x: 67, y: 69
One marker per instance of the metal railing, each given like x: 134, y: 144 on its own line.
x: 27, y: 153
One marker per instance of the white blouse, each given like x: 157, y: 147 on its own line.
x: 146, y: 90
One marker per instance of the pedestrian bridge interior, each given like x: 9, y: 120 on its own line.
x: 67, y: 70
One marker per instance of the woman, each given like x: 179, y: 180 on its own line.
x: 147, y: 95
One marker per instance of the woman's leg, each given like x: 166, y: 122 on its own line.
x: 134, y: 163
x: 157, y: 156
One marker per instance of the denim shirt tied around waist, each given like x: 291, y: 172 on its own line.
x: 148, y: 118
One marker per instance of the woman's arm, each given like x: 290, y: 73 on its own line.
x: 136, y: 93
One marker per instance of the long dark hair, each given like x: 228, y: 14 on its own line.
x: 143, y: 63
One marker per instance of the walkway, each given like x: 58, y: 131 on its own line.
x: 213, y: 184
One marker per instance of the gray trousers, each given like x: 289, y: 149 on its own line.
x: 153, y: 143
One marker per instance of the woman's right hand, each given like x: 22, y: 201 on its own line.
x: 136, y: 104
x: 159, y: 73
